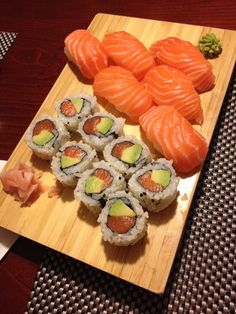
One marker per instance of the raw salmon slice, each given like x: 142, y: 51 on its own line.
x: 146, y: 181
x: 74, y: 152
x: 127, y: 51
x: 90, y: 125
x: 43, y: 125
x: 103, y: 175
x: 118, y: 149
x: 174, y: 137
x: 68, y: 109
x: 186, y: 57
x: 121, y: 224
x: 121, y: 89
x: 170, y: 86
x: 86, y: 51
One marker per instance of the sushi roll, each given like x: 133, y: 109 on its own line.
x: 73, y: 108
x: 101, y: 128
x: 71, y: 160
x: 127, y: 154
x: 46, y: 135
x: 123, y: 221
x: 92, y: 189
x: 155, y: 185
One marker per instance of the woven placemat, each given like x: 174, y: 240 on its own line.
x: 203, y: 278
x: 6, y: 40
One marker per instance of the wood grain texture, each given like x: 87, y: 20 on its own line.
x: 65, y: 225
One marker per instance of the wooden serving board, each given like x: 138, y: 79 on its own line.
x: 65, y: 225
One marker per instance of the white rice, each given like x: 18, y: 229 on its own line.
x: 49, y: 149
x: 69, y: 176
x: 99, y: 141
x: 126, y: 169
x: 135, y: 233
x: 155, y: 201
x: 94, y: 202
x: 90, y: 106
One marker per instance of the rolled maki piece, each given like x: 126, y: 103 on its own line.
x: 45, y: 135
x: 71, y: 160
x: 73, y: 108
x: 100, y: 128
x: 92, y: 189
x: 123, y: 221
x: 127, y: 154
x: 155, y: 185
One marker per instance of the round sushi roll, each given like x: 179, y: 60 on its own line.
x: 73, y: 108
x: 123, y: 221
x: 100, y: 128
x: 71, y: 160
x: 155, y: 185
x: 45, y: 135
x: 92, y: 189
x: 127, y: 154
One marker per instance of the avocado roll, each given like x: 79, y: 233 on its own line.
x: 127, y: 154
x: 71, y: 160
x: 100, y: 128
x: 73, y: 108
x: 155, y: 185
x: 123, y: 221
x: 96, y: 183
x: 45, y: 135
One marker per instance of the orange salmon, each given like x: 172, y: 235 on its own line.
x: 174, y: 137
x: 43, y: 125
x: 119, y: 86
x: 127, y: 51
x: 186, y: 57
x: 121, y: 224
x: 171, y: 87
x: 146, y: 181
x: 103, y: 175
x: 86, y: 51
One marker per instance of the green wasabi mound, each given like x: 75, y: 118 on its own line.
x: 210, y: 45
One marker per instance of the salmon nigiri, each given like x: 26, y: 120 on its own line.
x: 119, y: 86
x: 86, y: 51
x: 186, y: 57
x: 169, y: 86
x: 127, y: 51
x: 174, y: 137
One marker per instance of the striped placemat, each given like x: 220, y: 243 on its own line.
x: 6, y: 40
x: 203, y: 277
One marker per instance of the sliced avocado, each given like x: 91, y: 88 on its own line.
x: 161, y: 176
x: 131, y: 154
x: 104, y: 125
x: 78, y: 103
x: 119, y: 208
x: 42, y: 138
x: 93, y: 185
x: 67, y: 161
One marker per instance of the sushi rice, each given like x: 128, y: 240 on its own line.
x: 95, y: 201
x: 154, y: 201
x: 100, y: 140
x: 135, y: 233
x: 127, y: 169
x: 69, y: 176
x: 59, y: 136
x: 71, y: 120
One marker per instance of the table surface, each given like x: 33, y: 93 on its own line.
x: 35, y: 60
